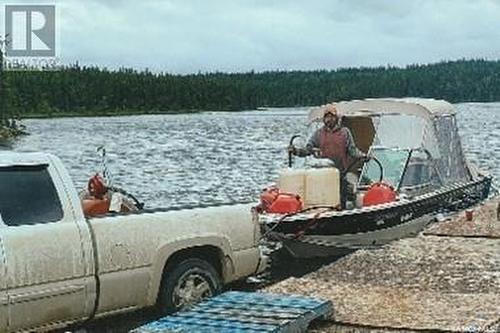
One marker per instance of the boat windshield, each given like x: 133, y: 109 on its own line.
x: 393, y: 163
x: 401, y: 131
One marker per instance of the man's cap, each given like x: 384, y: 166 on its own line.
x: 330, y: 109
x: 317, y: 114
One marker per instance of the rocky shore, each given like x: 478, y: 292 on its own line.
x: 8, y: 133
x: 446, y: 279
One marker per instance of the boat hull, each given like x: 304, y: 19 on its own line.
x: 339, y: 245
x: 336, y: 233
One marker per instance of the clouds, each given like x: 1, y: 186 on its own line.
x: 187, y: 36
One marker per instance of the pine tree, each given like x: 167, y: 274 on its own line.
x: 4, y: 120
x: 9, y: 125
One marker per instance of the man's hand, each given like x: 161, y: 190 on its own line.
x: 292, y: 150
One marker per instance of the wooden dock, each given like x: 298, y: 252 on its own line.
x: 447, y: 280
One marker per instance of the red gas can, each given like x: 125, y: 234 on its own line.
x: 274, y: 201
x: 286, y: 203
x: 379, y: 193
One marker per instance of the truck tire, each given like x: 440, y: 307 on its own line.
x: 186, y: 284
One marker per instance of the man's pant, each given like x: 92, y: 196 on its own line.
x: 348, y: 187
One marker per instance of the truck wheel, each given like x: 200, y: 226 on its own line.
x: 189, y: 282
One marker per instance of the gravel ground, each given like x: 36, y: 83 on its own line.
x: 485, y: 223
x: 423, y: 283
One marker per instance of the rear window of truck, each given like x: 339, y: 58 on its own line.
x: 28, y: 196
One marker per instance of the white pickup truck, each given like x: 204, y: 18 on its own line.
x: 58, y: 268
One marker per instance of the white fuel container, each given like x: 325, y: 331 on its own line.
x: 293, y: 181
x: 322, y: 187
x: 316, y: 187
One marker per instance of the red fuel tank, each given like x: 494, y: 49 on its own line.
x: 274, y: 201
x: 95, y: 207
x: 379, y: 193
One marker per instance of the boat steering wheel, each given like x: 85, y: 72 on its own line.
x: 290, y: 153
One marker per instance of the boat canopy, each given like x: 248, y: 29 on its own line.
x: 421, y: 107
x: 406, y: 123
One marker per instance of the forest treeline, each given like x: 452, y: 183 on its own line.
x: 82, y: 90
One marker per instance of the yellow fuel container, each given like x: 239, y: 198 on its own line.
x: 293, y: 181
x: 317, y: 187
x: 322, y: 187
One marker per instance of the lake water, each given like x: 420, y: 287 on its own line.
x: 216, y: 157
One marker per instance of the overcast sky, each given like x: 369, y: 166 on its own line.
x: 185, y: 36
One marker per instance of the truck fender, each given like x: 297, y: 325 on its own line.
x: 166, y: 251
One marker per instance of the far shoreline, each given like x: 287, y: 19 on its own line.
x: 98, y: 114
x: 107, y: 114
x: 123, y: 113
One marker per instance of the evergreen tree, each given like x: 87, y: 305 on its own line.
x: 3, y: 115
x: 9, y: 125
x: 82, y: 90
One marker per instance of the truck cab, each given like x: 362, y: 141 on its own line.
x: 46, y: 246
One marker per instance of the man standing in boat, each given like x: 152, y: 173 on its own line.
x: 331, y: 141
x: 335, y: 142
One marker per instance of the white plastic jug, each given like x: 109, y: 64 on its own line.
x: 293, y: 181
x: 322, y: 187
